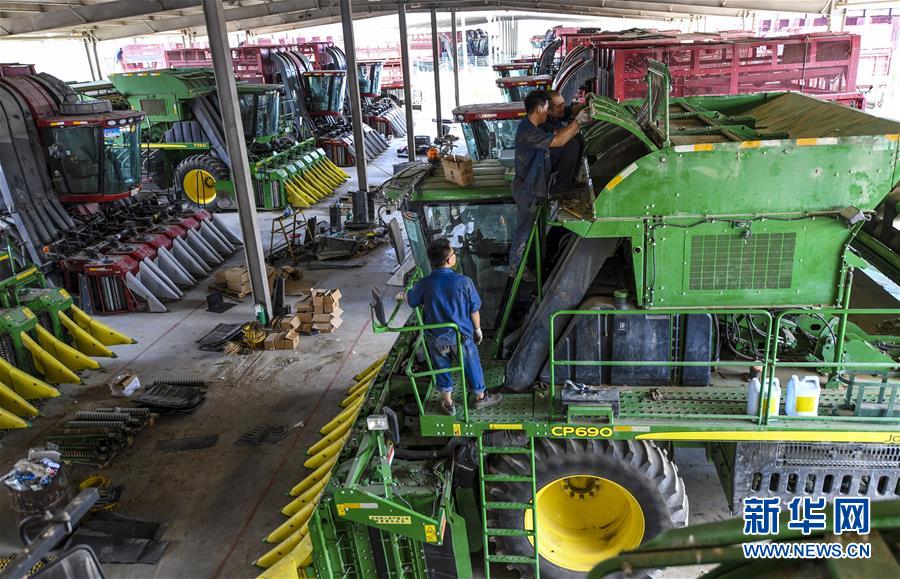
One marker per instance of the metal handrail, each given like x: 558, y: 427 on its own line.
x: 768, y: 363
x: 421, y: 342
x: 671, y: 311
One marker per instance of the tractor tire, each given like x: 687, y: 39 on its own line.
x: 196, y: 178
x: 595, y: 498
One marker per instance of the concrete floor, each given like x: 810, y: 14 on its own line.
x: 219, y: 502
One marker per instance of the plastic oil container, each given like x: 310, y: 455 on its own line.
x: 755, y: 393
x: 802, y: 396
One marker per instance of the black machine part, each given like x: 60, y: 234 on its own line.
x: 565, y: 289
x: 788, y: 469
x: 59, y: 526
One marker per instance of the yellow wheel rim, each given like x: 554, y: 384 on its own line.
x: 199, y: 186
x: 583, y: 520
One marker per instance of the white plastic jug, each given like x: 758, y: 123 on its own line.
x: 802, y: 397
x: 754, y: 396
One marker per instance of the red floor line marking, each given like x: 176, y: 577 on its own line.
x: 163, y: 335
x: 284, y: 457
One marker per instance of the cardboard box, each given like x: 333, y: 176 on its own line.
x: 287, y: 340
x: 286, y: 323
x: 237, y: 275
x: 269, y: 342
x: 326, y: 317
x: 306, y: 317
x: 305, y: 327
x: 304, y: 304
x: 458, y: 169
x: 124, y: 385
x: 328, y: 327
x: 331, y: 301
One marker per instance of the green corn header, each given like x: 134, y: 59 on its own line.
x: 186, y: 143
x: 716, y: 239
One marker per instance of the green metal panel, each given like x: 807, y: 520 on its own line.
x: 744, y: 263
x: 163, y: 94
x: 751, y: 178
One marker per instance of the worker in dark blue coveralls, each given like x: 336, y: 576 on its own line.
x: 446, y: 296
x: 565, y: 160
x: 533, y: 167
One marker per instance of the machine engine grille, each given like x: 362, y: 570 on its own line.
x: 733, y: 262
x: 153, y: 106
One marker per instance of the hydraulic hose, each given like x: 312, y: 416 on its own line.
x: 444, y: 452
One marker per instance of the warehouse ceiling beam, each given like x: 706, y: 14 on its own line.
x: 146, y: 16
x: 318, y: 16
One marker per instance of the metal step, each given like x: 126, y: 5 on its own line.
x: 505, y: 450
x: 507, y: 505
x: 506, y: 478
x: 511, y: 559
x: 509, y: 533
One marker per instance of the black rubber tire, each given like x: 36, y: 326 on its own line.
x: 212, y: 165
x: 640, y: 467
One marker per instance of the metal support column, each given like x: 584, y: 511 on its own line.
x: 355, y: 108
x: 436, y: 60
x: 96, y: 57
x: 214, y: 14
x: 455, y: 61
x: 87, y: 53
x: 465, y: 42
x: 407, y: 82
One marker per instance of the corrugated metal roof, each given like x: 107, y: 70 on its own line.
x: 108, y: 19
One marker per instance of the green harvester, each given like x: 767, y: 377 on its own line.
x: 185, y: 141
x: 713, y: 247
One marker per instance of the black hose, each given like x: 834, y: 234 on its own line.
x: 444, y: 452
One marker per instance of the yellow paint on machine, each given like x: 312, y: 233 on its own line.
x: 391, y: 519
x: 505, y: 427
x: 778, y: 436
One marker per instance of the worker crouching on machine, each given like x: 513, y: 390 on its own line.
x: 535, y: 170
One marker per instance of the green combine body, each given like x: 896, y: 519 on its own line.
x: 716, y: 241
x: 186, y: 144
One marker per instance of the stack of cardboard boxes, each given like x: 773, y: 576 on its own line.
x: 236, y: 280
x: 285, y: 333
x: 319, y: 310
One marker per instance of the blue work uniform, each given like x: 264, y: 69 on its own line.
x: 531, y: 183
x: 446, y: 296
x: 566, y: 160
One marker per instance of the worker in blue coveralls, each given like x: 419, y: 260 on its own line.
x: 565, y: 160
x: 447, y: 296
x: 533, y: 168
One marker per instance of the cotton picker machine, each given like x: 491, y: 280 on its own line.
x: 71, y: 174
x: 712, y: 251
x: 186, y: 142
x: 313, y: 82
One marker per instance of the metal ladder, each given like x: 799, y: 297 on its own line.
x: 486, y: 506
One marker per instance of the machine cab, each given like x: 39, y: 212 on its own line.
x: 513, y: 69
x: 489, y: 129
x: 260, y: 106
x: 370, y: 77
x: 514, y: 88
x: 325, y: 91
